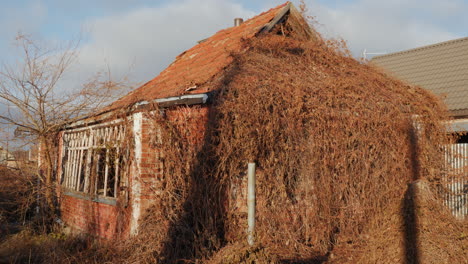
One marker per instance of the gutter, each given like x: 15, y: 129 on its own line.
x: 457, y: 125
x: 188, y: 100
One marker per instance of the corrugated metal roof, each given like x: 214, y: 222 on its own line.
x: 441, y: 68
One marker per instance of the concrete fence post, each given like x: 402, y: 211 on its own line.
x: 251, y: 203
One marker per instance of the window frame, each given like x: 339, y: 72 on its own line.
x: 80, y: 171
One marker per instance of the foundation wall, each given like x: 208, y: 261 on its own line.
x: 90, y: 217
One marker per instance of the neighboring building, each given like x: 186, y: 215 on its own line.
x: 105, y: 187
x: 22, y: 158
x: 16, y: 158
x: 5, y: 156
x: 441, y: 68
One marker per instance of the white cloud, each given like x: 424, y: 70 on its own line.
x: 388, y: 26
x: 27, y: 18
x: 149, y: 38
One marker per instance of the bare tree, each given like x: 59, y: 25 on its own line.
x: 35, y: 101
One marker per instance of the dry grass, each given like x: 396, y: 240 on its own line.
x: 30, y: 246
x: 243, y: 253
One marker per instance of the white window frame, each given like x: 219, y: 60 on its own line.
x: 80, y: 147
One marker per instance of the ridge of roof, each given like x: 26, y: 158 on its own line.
x: 444, y: 43
x: 197, y: 65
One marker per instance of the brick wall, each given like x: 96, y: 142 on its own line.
x: 115, y: 221
x: 91, y: 217
x: 84, y: 215
x: 151, y: 166
x: 194, y: 121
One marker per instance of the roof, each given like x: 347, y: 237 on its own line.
x: 198, y: 65
x: 441, y: 68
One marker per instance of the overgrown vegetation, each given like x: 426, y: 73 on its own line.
x: 29, y: 235
x: 336, y: 143
x: 16, y: 199
x: 30, y: 246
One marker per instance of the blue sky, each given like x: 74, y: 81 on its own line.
x: 142, y: 36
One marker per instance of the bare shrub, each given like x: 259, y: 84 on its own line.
x: 36, y: 103
x: 17, y: 198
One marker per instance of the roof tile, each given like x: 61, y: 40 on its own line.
x: 200, y: 63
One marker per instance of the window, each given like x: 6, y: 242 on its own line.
x: 94, y: 161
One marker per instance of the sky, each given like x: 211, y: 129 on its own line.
x: 139, y: 38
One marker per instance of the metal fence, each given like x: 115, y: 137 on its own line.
x: 456, y: 179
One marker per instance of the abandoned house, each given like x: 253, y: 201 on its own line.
x: 96, y: 194
x: 5, y: 157
x: 441, y: 68
x: 110, y: 167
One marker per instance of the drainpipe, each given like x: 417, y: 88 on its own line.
x: 251, y: 203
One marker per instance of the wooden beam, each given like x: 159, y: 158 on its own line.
x: 268, y: 27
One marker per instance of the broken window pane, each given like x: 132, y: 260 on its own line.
x: 100, y: 170
x: 84, y: 159
x: 111, y: 172
x: 92, y: 161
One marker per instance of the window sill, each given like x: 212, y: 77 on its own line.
x: 98, y: 199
